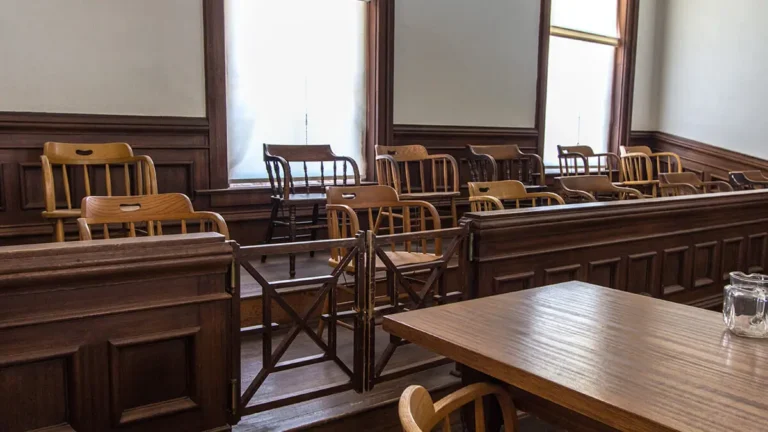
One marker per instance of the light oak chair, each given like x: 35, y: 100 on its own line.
x: 637, y: 171
x: 488, y: 196
x: 380, y: 204
x: 746, y: 180
x: 582, y: 160
x: 688, y: 183
x: 666, y: 162
x: 146, y: 210
x: 593, y: 188
x: 418, y: 413
x: 417, y: 175
x: 292, y: 191
x: 81, y: 170
x: 506, y: 162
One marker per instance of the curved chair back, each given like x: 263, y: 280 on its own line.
x: 745, y: 180
x: 666, y: 162
x: 593, y: 188
x: 284, y: 182
x: 505, y: 162
x: 418, y: 413
x: 688, y: 183
x: 487, y: 196
x: 147, y: 211
x: 582, y: 160
x: 411, y: 169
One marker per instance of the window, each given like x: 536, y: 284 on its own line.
x: 295, y: 75
x: 583, y: 43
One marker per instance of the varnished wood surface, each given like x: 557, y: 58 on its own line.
x: 629, y: 361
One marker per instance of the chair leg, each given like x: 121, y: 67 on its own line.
x: 271, y: 227
x: 58, y: 230
x: 292, y: 236
x: 315, y: 219
x: 454, y: 218
x: 321, y: 324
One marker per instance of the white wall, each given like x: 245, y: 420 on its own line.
x: 142, y: 57
x: 466, y: 62
x: 713, y: 76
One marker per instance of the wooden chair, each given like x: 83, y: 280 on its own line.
x: 419, y: 414
x: 582, y: 160
x: 506, y: 162
x: 666, y: 162
x: 380, y: 204
x: 291, y: 191
x: 417, y: 175
x: 746, y: 180
x: 107, y: 169
x: 637, y: 171
x: 487, y: 196
x: 688, y: 183
x: 593, y: 188
x: 150, y: 210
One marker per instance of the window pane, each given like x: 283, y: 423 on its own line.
x: 579, y: 85
x: 295, y: 75
x: 592, y: 16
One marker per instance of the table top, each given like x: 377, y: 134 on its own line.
x: 628, y: 361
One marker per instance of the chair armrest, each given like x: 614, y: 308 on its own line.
x: 549, y: 195
x: 353, y: 220
x: 390, y: 165
x: 687, y: 186
x: 221, y: 224
x: 454, y: 164
x: 540, y: 161
x: 287, y: 177
x: 355, y: 169
x: 721, y: 186
x: 630, y: 191
x: 423, y: 204
x: 495, y: 202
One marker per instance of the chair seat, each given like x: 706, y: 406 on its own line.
x: 59, y: 214
x: 303, y: 198
x: 398, y: 258
x: 425, y: 196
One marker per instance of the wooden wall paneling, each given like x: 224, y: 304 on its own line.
x: 756, y: 253
x: 669, y: 248
x: 514, y: 282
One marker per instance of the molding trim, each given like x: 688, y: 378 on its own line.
x: 69, y: 123
x: 463, y: 131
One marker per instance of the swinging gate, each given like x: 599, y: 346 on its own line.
x: 374, y: 286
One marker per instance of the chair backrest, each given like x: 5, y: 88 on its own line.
x: 283, y: 180
x: 418, y: 413
x: 637, y: 167
x: 487, y: 196
x: 591, y: 188
x: 505, y: 162
x: 147, y: 211
x: 382, y: 206
x: 683, y: 177
x: 411, y: 169
x: 752, y: 179
x: 82, y: 170
x: 582, y: 160
x: 625, y: 150
x: 666, y: 162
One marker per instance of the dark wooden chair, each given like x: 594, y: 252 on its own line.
x: 81, y: 170
x: 293, y: 191
x: 506, y: 162
x: 593, y: 188
x: 488, y: 196
x: 688, y: 183
x: 582, y: 160
x: 418, y: 413
x: 746, y: 180
x: 417, y: 175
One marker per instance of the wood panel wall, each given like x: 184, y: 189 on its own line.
x: 95, y: 337
x: 679, y: 249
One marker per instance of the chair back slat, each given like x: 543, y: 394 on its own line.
x: 411, y: 169
x: 487, y: 196
x: 278, y: 159
x: 505, y: 162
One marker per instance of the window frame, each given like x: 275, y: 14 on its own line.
x: 623, y: 70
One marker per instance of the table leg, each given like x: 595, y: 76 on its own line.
x: 493, y: 418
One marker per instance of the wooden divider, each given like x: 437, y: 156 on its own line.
x: 129, y: 334
x: 680, y: 249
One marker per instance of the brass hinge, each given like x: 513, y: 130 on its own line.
x: 234, y: 401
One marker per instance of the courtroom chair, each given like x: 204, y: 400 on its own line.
x: 688, y: 183
x: 417, y: 175
x: 582, y: 160
x: 746, y: 180
x: 506, y: 162
x: 148, y: 210
x: 418, y: 413
x: 637, y: 172
x: 379, y: 204
x: 665, y: 162
x: 487, y: 196
x: 80, y: 170
x: 294, y: 191
x: 593, y: 188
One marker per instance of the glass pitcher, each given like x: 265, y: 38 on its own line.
x: 744, y: 305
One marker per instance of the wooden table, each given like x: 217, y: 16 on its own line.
x: 593, y: 358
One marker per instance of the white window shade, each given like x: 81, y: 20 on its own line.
x: 591, y: 16
x: 295, y: 75
x: 579, y: 81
